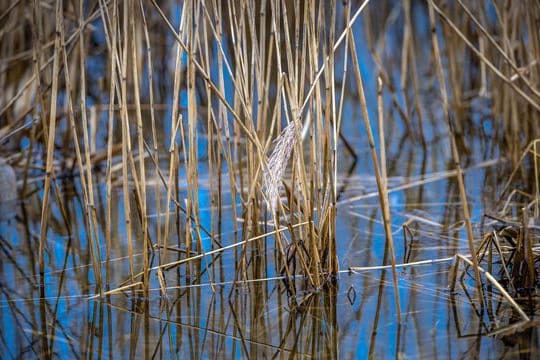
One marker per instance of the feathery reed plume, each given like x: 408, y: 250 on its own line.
x: 277, y: 162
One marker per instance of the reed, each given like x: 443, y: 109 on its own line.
x: 217, y: 132
x: 455, y: 151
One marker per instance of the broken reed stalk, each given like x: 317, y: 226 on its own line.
x: 454, y: 149
x: 491, y: 279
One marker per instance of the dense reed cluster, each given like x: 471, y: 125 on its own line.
x: 226, y: 126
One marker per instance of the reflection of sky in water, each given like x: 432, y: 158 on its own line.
x: 425, y: 304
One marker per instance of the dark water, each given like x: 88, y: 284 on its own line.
x: 211, y: 310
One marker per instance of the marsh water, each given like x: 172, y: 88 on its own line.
x: 234, y: 303
x: 216, y: 315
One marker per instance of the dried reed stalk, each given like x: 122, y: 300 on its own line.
x: 454, y: 149
x: 51, y: 130
x: 383, y: 200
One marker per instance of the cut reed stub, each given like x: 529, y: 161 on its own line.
x: 277, y: 163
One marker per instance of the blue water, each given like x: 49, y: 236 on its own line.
x: 236, y: 303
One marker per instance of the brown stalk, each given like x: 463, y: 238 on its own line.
x: 380, y: 185
x: 454, y: 149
